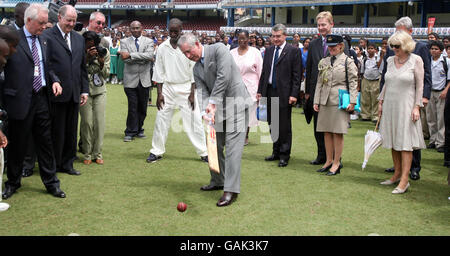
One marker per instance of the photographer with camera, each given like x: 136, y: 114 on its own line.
x: 97, y: 22
x: 92, y: 126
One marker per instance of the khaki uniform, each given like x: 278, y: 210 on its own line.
x: 92, y: 125
x: 330, y: 80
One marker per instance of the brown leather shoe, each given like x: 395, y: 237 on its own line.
x: 227, y: 199
x: 99, y: 161
x: 87, y: 162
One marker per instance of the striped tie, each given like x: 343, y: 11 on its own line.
x: 37, y: 81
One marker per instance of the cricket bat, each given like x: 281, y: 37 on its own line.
x: 211, y: 143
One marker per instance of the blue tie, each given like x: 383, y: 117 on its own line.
x: 274, y: 69
x: 136, y: 43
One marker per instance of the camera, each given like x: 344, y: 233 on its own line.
x: 101, y: 51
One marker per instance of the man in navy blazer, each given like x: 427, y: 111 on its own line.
x: 280, y: 83
x: 405, y: 24
x: 25, y: 93
x: 67, y: 62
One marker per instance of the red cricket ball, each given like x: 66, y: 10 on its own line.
x: 181, y: 207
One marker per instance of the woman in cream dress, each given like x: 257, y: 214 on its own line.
x: 399, y: 104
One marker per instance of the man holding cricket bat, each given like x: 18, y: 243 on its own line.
x: 224, y: 101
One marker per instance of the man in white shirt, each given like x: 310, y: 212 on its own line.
x: 173, y: 73
x: 440, y: 77
x: 370, y: 85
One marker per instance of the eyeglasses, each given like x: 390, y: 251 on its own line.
x: 100, y: 23
x: 396, y: 46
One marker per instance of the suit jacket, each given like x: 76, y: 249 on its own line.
x: 218, y: 79
x: 424, y: 52
x: 332, y: 78
x: 288, y: 73
x: 137, y: 67
x: 315, y: 54
x: 67, y: 66
x: 17, y: 88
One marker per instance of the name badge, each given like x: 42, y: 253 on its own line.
x: 36, y: 71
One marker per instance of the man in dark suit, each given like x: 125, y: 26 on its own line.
x: 67, y: 61
x: 421, y: 49
x: 30, y: 156
x: 280, y: 83
x: 318, y: 49
x: 25, y: 97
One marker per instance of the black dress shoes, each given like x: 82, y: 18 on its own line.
x: 73, y: 172
x: 204, y: 159
x: 70, y: 172
x: 325, y: 169
x: 390, y: 170
x: 283, y: 163
x: 27, y: 172
x: 9, y: 191
x: 414, y: 174
x: 57, y: 192
x: 210, y: 187
x: 227, y: 199
x: 272, y: 158
x: 317, y: 161
x: 329, y: 173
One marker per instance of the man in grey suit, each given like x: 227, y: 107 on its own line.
x: 224, y: 101
x: 137, y: 54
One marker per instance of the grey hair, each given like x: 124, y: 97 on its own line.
x: 404, y: 21
x: 94, y: 15
x: 280, y: 27
x: 33, y: 11
x: 188, y: 38
x: 63, y: 10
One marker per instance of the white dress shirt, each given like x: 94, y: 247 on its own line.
x: 63, y: 34
x: 273, y: 58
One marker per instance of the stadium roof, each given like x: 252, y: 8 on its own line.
x: 293, y: 3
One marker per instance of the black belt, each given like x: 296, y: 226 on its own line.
x: 438, y: 90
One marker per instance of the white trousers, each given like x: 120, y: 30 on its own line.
x: 176, y: 96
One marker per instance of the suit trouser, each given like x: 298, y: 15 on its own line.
x: 64, y: 133
x: 281, y: 127
x: 435, y: 118
x: 370, y: 89
x: 38, y: 124
x: 320, y: 140
x: 232, y: 138
x: 30, y: 155
x: 137, y: 109
x: 92, y: 126
x: 447, y: 134
x: 176, y: 95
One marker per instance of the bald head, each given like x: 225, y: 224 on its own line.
x: 66, y: 10
x: 136, y: 28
